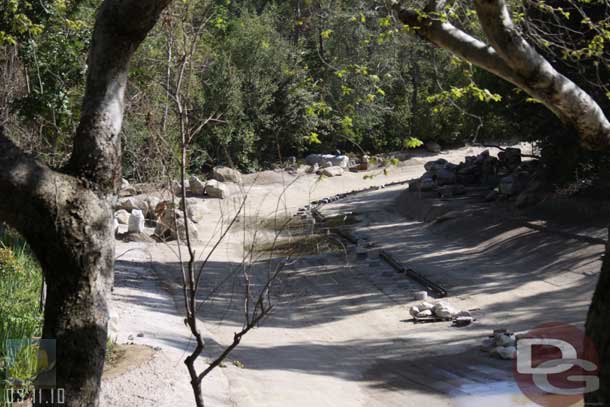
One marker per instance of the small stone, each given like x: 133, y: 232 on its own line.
x: 140, y: 335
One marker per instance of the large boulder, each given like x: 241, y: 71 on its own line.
x: 334, y: 171
x: 226, y: 174
x: 322, y: 160
x: 136, y: 222
x: 216, y: 189
x: 197, y: 186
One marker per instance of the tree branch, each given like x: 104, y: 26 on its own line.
x: 513, y: 59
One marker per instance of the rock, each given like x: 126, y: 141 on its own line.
x: 424, y: 314
x: 511, y: 157
x: 226, y: 174
x: 414, y: 311
x: 122, y: 216
x: 165, y: 228
x: 335, y: 160
x: 433, y: 147
x: 332, y: 171
x: 507, y: 353
x: 444, y: 311
x: 170, y: 225
x: 448, y: 191
x: 196, y: 209
x: 194, y: 234
x: 436, y: 165
x: 126, y: 189
x: 136, y: 222
x: 462, y: 321
x: 506, y: 340
x: 314, y: 168
x: 216, y: 189
x: 131, y: 203
x: 291, y: 161
x: 326, y: 164
x: 445, y: 177
x: 488, y: 345
x: 424, y: 305
x: 152, y: 202
x: 115, y: 226
x: 197, y: 186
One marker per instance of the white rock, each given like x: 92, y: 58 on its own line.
x: 197, y: 186
x: 414, y: 311
x: 122, y: 216
x: 321, y: 159
x: 425, y: 305
x: 506, y: 352
x: 424, y: 314
x: 444, y: 310
x: 332, y: 171
x: 136, y: 222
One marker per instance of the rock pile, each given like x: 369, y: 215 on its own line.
x: 506, y: 176
x: 501, y: 344
x: 441, y: 311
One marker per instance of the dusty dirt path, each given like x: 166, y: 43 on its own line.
x: 339, y: 335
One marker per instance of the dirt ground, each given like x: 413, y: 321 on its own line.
x: 340, y: 334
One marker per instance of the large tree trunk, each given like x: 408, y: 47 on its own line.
x: 66, y: 216
x: 510, y: 57
x: 597, y: 329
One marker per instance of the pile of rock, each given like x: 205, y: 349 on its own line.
x: 327, y: 165
x: 506, y: 176
x: 439, y: 311
x: 501, y: 344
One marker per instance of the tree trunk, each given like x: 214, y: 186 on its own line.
x: 66, y: 216
x: 597, y: 329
